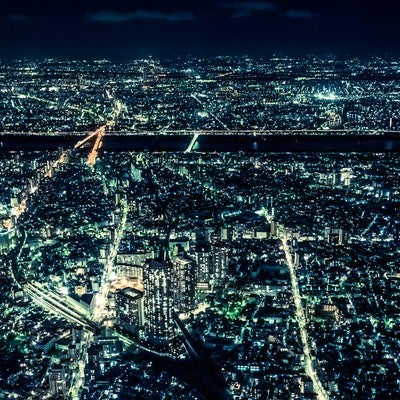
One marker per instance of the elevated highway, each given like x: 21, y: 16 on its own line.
x: 58, y: 305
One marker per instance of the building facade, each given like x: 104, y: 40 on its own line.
x: 158, y: 303
x: 184, y: 285
x: 129, y: 309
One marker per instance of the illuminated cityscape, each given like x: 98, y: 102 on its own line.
x: 222, y: 228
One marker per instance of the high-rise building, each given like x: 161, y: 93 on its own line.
x: 224, y: 233
x: 203, y: 264
x: 219, y: 257
x: 184, y: 284
x: 273, y: 229
x: 129, y: 309
x: 158, y: 303
x: 58, y: 377
x: 4, y: 239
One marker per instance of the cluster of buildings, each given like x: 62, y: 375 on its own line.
x: 199, y: 262
x: 222, y: 93
x: 200, y: 275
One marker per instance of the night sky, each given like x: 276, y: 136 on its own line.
x: 130, y: 29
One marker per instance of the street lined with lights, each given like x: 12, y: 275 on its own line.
x: 301, y: 320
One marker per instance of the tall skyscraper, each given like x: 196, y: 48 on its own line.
x: 158, y: 303
x: 219, y: 256
x: 184, y: 284
x: 203, y: 263
x: 4, y: 239
x: 129, y: 309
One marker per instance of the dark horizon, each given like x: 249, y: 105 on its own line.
x: 126, y: 30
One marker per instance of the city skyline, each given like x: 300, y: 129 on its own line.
x: 200, y: 200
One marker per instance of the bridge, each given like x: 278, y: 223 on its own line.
x: 207, y: 132
x: 192, y: 143
x: 98, y: 136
